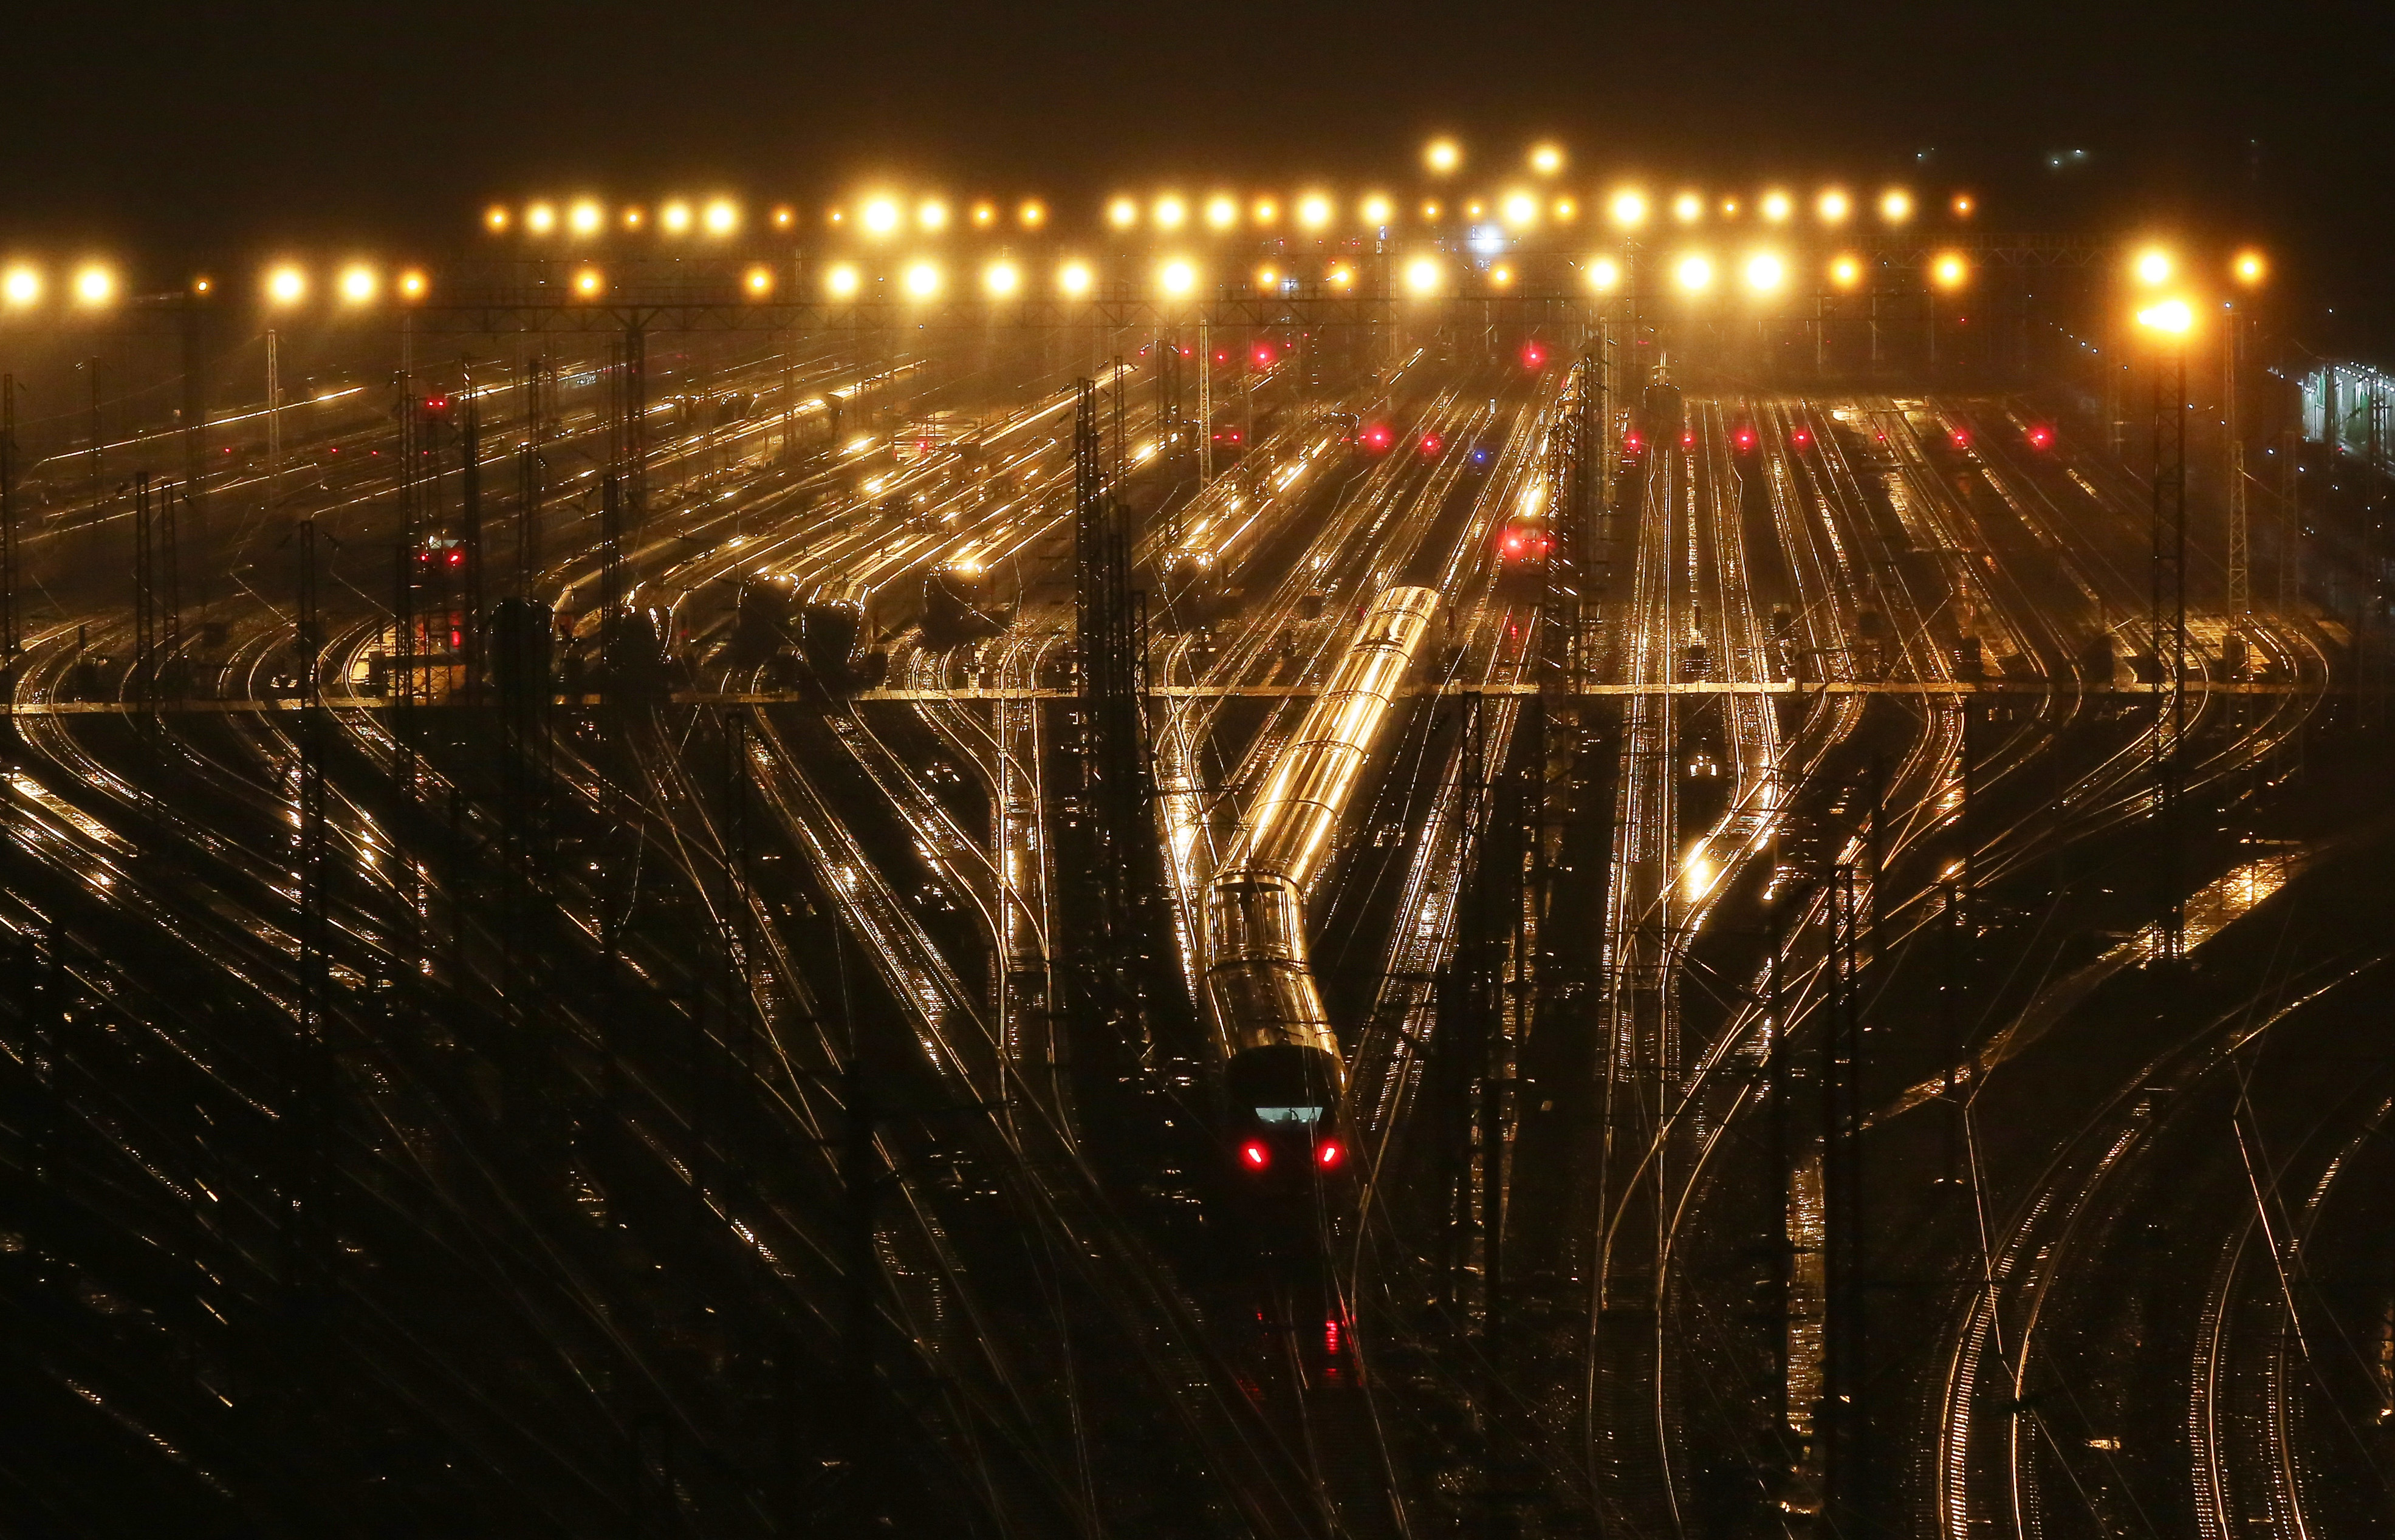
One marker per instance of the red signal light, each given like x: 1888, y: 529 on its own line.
x: 1376, y: 437
x: 456, y: 558
x: 1430, y: 443
x: 1263, y: 355
x: 1746, y: 438
x: 436, y: 403
x: 1533, y: 356
x: 1330, y: 1153
x: 1688, y: 441
x: 1255, y: 1154
x: 2039, y: 437
x: 1962, y: 439
x: 1633, y: 443
x: 1802, y: 438
x: 1513, y: 544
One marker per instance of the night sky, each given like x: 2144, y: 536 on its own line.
x: 231, y: 128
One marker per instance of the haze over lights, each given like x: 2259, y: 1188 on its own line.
x: 2172, y: 317
x: 541, y: 219
x: 1846, y: 273
x: 842, y: 281
x: 1629, y: 209
x: 722, y: 216
x: 1176, y: 278
x: 1764, y: 272
x: 286, y: 285
x: 1377, y: 211
x: 1949, y: 271
x: 922, y: 280
x: 1170, y: 213
x: 584, y: 217
x: 94, y: 285
x: 1687, y: 208
x: 1423, y: 275
x: 930, y: 215
x: 880, y: 215
x: 1122, y: 214
x: 2154, y: 266
x: 675, y: 218
x: 1002, y: 279
x: 1834, y: 207
x: 1694, y: 273
x: 21, y: 285
x: 1604, y: 275
x: 357, y: 283
x: 757, y: 281
x: 1314, y: 211
x: 2249, y: 268
x: 588, y: 283
x: 1546, y: 159
x: 1520, y: 210
x: 1074, y: 279
x: 1442, y: 156
x: 1895, y: 205
x: 1222, y: 211
x: 1777, y: 207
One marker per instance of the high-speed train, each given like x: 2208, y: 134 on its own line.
x: 1283, y: 1077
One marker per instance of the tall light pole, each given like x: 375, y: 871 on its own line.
x: 2168, y: 321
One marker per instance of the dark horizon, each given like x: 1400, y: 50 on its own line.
x: 199, y: 138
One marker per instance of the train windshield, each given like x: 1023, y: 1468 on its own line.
x: 1308, y: 1115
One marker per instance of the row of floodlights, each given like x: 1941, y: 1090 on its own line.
x: 93, y: 285
x: 1314, y: 212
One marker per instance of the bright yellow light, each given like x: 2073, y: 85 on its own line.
x: 1377, y: 211
x: 1032, y: 215
x: 2172, y: 316
x: 1122, y: 214
x: 1170, y: 213
x: 22, y: 286
x: 1964, y: 206
x: 1176, y: 278
x: 632, y: 217
x: 587, y: 283
x: 922, y: 280
x: 1695, y: 273
x: 2250, y: 268
x: 200, y: 285
x: 1949, y: 271
x: 1846, y: 273
x: 1442, y: 156
x: 784, y: 216
x: 841, y: 280
x: 1776, y: 206
x: 1604, y: 275
x: 2154, y: 266
x: 286, y: 285
x: 357, y: 283
x: 1501, y: 276
x: 1314, y: 211
x: 583, y: 218
x: 1473, y: 209
x: 1264, y: 212
x: 1729, y: 208
x: 541, y: 219
x: 1764, y: 272
x: 1267, y: 278
x: 1423, y: 275
x: 1895, y: 205
x: 1430, y: 213
x: 675, y: 216
x: 1002, y: 279
x: 495, y: 218
x: 984, y: 213
x: 880, y: 215
x: 722, y: 216
x: 1546, y: 159
x: 932, y: 214
x: 1833, y: 206
x: 1628, y: 210
x: 1687, y: 208
x: 1519, y: 210
x: 1222, y: 211
x: 411, y: 284
x: 1341, y: 275
x: 1075, y: 279
x: 1564, y: 211
x: 759, y: 282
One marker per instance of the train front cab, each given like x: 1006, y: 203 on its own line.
x: 1288, y: 1139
